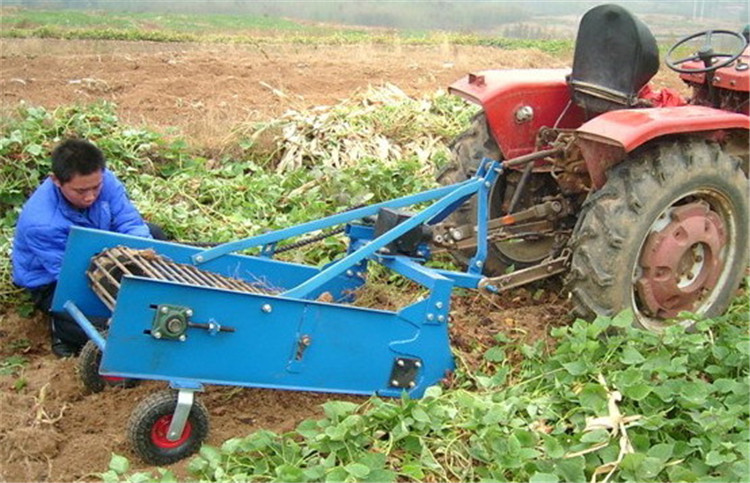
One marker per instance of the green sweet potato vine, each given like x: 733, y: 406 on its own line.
x: 610, y: 403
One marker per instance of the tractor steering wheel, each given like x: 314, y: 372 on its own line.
x: 705, y: 54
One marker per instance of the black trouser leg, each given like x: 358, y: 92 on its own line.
x: 67, y: 336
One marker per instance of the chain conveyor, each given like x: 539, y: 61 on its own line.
x: 108, y: 267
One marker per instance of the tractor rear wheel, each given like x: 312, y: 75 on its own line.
x: 149, y: 424
x: 468, y: 150
x: 668, y: 233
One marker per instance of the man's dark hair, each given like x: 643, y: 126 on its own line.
x: 76, y: 157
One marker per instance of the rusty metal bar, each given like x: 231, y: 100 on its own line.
x: 148, y: 263
x: 103, y: 269
x: 146, y: 269
x: 527, y: 158
x: 170, y: 273
x: 209, y: 278
x: 521, y: 277
x: 102, y: 293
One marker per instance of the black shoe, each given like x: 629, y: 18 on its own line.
x: 62, y: 349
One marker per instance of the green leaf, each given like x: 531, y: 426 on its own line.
x: 211, y: 454
x: 624, y: 319
x: 34, y: 149
x: 339, y: 409
x: 552, y: 447
x: 496, y: 414
x: 726, y: 385
x: 681, y: 473
x: 314, y: 473
x: 433, y: 392
x: 544, y: 478
x: 500, y: 377
x: 119, y: 464
x: 525, y: 437
x: 596, y: 436
x: 337, y: 474
x: 358, y: 470
x: 337, y: 432
x: 632, y: 461
x: 528, y: 454
x: 637, y: 392
x: 629, y: 377
x: 714, y: 458
x: 576, y: 368
x: 292, y: 474
x: 308, y: 428
x: 571, y: 469
x: 373, y: 460
x: 594, y: 398
x: 631, y: 356
x: 412, y: 470
x: 495, y: 354
x: 501, y: 337
x: 381, y: 476
x: 167, y: 476
x: 695, y: 392
x: 662, y: 451
x: 110, y: 476
x: 197, y: 465
x: 140, y: 477
x: 232, y: 445
x: 649, y: 468
x: 419, y: 414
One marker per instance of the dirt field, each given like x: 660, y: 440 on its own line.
x: 50, y: 430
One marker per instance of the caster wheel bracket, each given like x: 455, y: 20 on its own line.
x: 185, y: 398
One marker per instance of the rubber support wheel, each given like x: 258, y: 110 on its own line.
x: 89, y: 361
x: 668, y: 233
x: 149, y: 422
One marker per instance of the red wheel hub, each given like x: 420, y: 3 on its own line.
x: 160, y: 429
x: 113, y: 379
x: 681, y: 260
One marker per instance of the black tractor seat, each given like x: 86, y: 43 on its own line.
x: 615, y: 56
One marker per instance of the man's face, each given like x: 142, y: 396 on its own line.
x: 82, y: 189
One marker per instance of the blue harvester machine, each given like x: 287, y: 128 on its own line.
x: 193, y: 316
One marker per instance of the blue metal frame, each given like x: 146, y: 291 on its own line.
x: 291, y: 340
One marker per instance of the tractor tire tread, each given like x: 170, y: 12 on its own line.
x: 88, y: 370
x: 468, y: 149
x: 610, y: 225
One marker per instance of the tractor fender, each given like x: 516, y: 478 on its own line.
x: 609, y: 137
x: 517, y: 103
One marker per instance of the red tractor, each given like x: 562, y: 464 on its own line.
x: 639, y: 197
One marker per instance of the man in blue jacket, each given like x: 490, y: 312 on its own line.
x: 81, y: 191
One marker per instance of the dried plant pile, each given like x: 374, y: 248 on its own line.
x: 381, y: 124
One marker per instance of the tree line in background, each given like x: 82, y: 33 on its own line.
x: 439, y: 14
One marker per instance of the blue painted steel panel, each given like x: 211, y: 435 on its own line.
x: 352, y: 349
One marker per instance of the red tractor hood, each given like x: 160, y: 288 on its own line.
x: 484, y: 86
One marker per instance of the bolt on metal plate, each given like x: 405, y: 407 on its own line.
x: 404, y: 372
